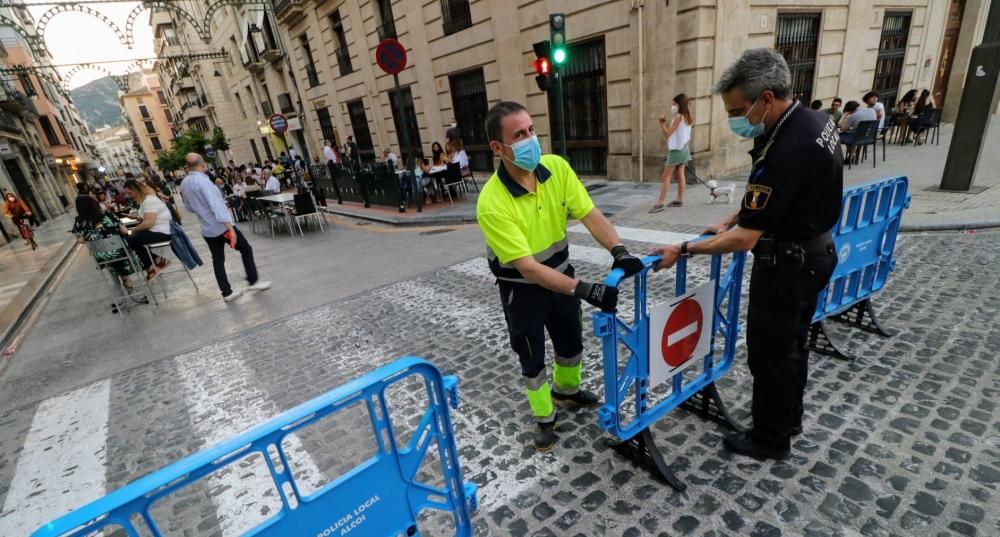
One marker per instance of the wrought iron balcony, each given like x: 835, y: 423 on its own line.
x: 8, y: 123
x: 289, y: 11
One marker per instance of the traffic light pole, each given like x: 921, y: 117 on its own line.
x: 560, y: 99
x: 975, y: 109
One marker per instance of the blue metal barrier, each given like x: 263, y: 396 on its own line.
x: 693, y: 389
x: 380, y: 497
x: 865, y: 238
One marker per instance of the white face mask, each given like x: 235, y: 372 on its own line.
x: 673, y: 109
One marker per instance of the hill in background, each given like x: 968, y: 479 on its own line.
x: 98, y: 103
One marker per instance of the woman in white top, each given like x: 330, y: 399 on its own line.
x: 678, y: 135
x: 154, y: 227
x: 458, y: 155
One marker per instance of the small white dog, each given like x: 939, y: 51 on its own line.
x: 716, y: 191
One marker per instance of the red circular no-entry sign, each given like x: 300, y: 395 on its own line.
x: 682, y: 332
x: 391, y: 56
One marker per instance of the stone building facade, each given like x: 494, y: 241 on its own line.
x: 627, y: 59
x: 146, y: 109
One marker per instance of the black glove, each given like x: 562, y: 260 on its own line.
x: 598, y: 295
x: 629, y: 263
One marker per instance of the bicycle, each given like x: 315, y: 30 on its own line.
x: 26, y: 233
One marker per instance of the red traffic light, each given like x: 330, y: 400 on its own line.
x: 543, y: 66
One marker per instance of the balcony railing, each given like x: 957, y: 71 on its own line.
x: 312, y: 76
x: 288, y: 11
x: 344, y: 61
x: 387, y: 30
x: 272, y: 53
x: 285, y: 103
x: 9, y: 124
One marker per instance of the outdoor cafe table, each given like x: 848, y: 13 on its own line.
x: 283, y: 200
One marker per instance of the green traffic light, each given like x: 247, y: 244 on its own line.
x: 559, y: 56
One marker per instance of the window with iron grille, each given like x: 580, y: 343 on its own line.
x: 170, y: 115
x: 150, y: 128
x: 307, y: 57
x: 156, y: 143
x: 586, y: 108
x: 27, y: 84
x: 325, y: 125
x: 285, y: 103
x: 342, y: 53
x: 468, y: 100
x: 359, y: 125
x: 456, y: 15
x: 406, y: 121
x: 891, y: 55
x: 797, y: 40
x: 143, y: 111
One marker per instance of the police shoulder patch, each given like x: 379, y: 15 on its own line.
x: 756, y: 197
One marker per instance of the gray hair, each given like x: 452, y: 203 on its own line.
x: 758, y: 69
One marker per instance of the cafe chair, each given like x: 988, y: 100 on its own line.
x: 158, y: 249
x: 305, y: 208
x: 109, y: 251
x: 453, y: 178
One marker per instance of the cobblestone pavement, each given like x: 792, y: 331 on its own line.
x: 904, y: 441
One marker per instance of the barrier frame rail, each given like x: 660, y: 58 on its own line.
x: 865, y: 239
x: 385, y: 484
x: 699, y: 394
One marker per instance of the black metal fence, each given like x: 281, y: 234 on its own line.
x: 370, y: 185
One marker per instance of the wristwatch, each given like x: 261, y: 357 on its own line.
x: 684, y: 249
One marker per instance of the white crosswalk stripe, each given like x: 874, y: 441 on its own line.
x: 63, y: 463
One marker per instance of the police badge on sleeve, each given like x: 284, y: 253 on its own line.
x: 756, y: 197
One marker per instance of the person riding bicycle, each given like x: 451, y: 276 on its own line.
x: 16, y: 209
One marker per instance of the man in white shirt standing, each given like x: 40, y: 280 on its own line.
x: 204, y: 199
x: 332, y: 166
x: 390, y: 157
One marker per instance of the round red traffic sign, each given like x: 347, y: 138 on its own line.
x: 391, y: 56
x: 278, y: 122
x: 682, y: 332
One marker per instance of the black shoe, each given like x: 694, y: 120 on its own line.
x: 545, y: 436
x: 581, y: 398
x: 743, y: 444
x: 797, y: 430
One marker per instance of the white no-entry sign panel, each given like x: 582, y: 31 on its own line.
x: 679, y: 332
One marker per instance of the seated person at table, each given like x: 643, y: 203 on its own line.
x: 459, y: 156
x: 271, y: 184
x: 905, y: 104
x: 834, y: 109
x: 154, y: 227
x: 438, y: 157
x: 94, y: 223
x: 854, y: 114
x: 816, y: 105
x: 924, y: 103
x: 102, y: 199
x: 224, y: 187
x: 238, y: 200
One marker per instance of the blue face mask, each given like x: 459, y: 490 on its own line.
x: 527, y: 153
x: 741, y: 126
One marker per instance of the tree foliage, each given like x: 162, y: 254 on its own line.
x: 190, y: 141
x: 219, y: 141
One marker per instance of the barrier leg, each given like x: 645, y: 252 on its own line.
x: 708, y: 404
x: 641, y: 449
x: 862, y: 315
x: 819, y: 341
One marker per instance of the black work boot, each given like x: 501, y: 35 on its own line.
x: 743, y: 443
x: 545, y: 436
x: 581, y: 398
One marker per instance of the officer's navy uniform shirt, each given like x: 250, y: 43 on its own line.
x: 794, y: 193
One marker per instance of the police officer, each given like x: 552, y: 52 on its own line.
x: 522, y: 211
x: 792, y: 202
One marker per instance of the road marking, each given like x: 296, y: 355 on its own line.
x: 63, y: 463
x: 643, y: 235
x: 224, y: 400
